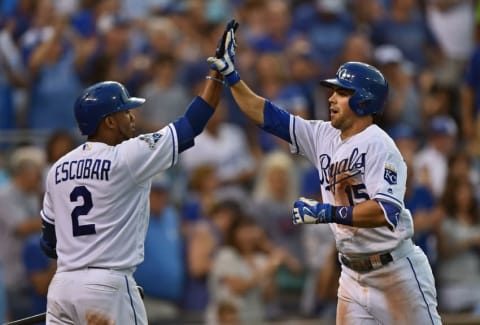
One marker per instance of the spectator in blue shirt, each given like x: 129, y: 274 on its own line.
x: 40, y: 270
x: 405, y: 27
x: 162, y: 272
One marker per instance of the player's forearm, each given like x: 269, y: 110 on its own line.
x: 368, y: 214
x: 250, y: 103
x: 213, y: 88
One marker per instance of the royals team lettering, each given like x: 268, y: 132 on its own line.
x: 355, y: 162
x: 98, y: 169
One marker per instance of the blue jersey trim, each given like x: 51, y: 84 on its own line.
x: 276, y: 121
x: 391, y: 212
x: 185, y: 135
x: 46, y: 217
x: 421, y: 291
x: 131, y: 300
x: 392, y: 198
x: 198, y: 113
x: 295, y: 143
x: 174, y: 144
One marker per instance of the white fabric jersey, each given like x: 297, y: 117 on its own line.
x: 97, y: 196
x: 372, y: 166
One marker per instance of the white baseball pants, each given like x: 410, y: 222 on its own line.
x: 113, y: 293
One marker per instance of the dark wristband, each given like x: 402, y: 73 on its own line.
x: 232, y: 78
x: 343, y: 215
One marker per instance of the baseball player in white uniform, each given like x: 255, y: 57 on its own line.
x: 96, y: 206
x: 385, y: 278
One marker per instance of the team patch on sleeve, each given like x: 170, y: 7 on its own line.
x: 390, y: 174
x: 151, y: 139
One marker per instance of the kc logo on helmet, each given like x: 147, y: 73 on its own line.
x: 344, y: 75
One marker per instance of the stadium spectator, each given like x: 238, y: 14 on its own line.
x: 404, y: 104
x: 318, y: 248
x: 13, y: 74
x: 58, y: 144
x: 165, y: 89
x: 316, y: 19
x: 431, y: 162
x: 243, y: 273
x: 3, y: 298
x: 404, y: 26
x: 459, y: 264
x: 39, y: 270
x: 51, y: 64
x: 452, y: 23
x: 203, y: 242
x: 162, y: 272
x: 19, y: 218
x: 277, y: 30
x: 275, y: 190
x: 201, y: 195
x: 224, y: 146
x: 470, y: 103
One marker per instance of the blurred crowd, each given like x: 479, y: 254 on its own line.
x: 221, y: 246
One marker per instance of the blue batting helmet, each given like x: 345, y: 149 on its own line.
x: 100, y: 100
x: 369, y: 85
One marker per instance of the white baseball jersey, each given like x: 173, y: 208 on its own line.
x: 97, y: 196
x: 374, y: 169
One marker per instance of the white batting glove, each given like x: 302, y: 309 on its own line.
x: 226, y: 64
x: 311, y: 211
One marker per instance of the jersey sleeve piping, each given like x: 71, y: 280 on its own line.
x: 174, y: 147
x: 391, y: 225
x: 294, y: 135
x: 389, y: 198
x: 46, y: 218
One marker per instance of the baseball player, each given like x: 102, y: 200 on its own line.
x: 385, y: 279
x: 96, y: 206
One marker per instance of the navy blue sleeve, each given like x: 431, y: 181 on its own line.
x: 391, y: 211
x: 48, y: 241
x: 276, y: 121
x: 192, y: 122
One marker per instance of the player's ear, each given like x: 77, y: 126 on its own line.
x: 110, y: 122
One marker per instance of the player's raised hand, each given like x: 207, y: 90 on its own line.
x: 220, y: 50
x: 311, y: 211
x: 226, y: 63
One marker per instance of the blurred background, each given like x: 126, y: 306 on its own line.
x: 225, y: 211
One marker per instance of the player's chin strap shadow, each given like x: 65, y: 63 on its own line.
x: 39, y: 318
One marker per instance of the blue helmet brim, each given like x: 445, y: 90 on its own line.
x: 334, y: 82
x: 133, y: 102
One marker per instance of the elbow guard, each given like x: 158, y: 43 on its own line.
x: 48, y: 241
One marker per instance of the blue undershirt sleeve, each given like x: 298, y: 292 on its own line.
x: 48, y: 241
x: 276, y: 121
x: 192, y: 122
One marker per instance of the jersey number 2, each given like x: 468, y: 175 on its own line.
x: 81, y: 210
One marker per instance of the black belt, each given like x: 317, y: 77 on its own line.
x: 366, y: 264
